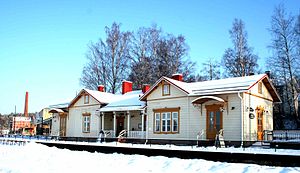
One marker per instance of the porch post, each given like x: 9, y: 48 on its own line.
x: 143, y: 121
x: 128, y: 123
x: 115, y: 124
x: 102, y: 121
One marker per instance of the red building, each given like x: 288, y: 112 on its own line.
x: 23, y: 125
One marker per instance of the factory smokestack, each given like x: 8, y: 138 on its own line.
x: 26, y: 105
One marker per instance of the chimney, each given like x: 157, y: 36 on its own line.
x: 268, y: 73
x: 26, y: 105
x: 101, y: 88
x: 178, y: 77
x: 145, y: 88
x: 126, y: 86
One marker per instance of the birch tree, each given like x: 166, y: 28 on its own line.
x: 210, y: 70
x: 239, y: 60
x: 285, y: 59
x: 157, y: 54
x: 108, y: 62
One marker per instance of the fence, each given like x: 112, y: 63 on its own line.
x: 286, y: 135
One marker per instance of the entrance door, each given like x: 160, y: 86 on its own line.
x: 62, y: 126
x: 214, y: 121
x: 260, y: 125
x: 120, y: 124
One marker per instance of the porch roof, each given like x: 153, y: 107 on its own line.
x: 204, y: 99
x: 56, y: 110
x: 127, y: 102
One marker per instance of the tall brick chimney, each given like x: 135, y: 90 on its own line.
x: 145, y: 88
x: 126, y: 86
x: 178, y: 77
x: 101, y: 88
x: 26, y: 105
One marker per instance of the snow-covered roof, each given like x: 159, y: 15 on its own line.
x: 126, y: 102
x: 61, y: 105
x: 101, y: 97
x: 214, y: 87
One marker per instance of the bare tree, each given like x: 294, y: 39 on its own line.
x: 143, y: 55
x: 210, y: 70
x: 239, y: 60
x: 285, y: 59
x: 95, y: 71
x: 156, y: 54
x: 108, y: 62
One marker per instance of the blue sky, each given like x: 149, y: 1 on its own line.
x: 43, y: 43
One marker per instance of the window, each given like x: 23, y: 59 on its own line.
x: 166, y: 120
x: 166, y: 89
x: 157, y: 122
x: 259, y: 87
x: 175, y: 121
x: 86, y: 123
x: 86, y: 99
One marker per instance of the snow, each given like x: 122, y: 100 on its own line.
x: 220, y: 86
x: 102, y: 97
x: 126, y: 102
x: 35, y: 157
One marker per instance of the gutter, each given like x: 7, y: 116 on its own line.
x: 242, y: 119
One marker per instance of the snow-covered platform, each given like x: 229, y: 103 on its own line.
x: 255, y: 154
x: 261, y: 156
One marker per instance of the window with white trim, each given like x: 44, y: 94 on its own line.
x: 157, y: 122
x: 166, y: 120
x: 175, y: 121
x: 166, y: 89
x: 86, y: 121
x: 86, y: 99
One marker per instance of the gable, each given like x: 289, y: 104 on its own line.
x: 157, y: 92
x: 79, y: 100
x: 268, y: 91
x: 264, y: 92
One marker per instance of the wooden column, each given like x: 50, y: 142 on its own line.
x: 115, y: 124
x: 128, y: 123
x: 102, y: 121
x: 143, y: 123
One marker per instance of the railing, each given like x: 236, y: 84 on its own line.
x: 109, y: 134
x: 286, y: 135
x: 136, y: 134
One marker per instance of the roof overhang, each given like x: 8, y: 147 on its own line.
x: 203, y: 99
x: 272, y: 90
x: 56, y: 110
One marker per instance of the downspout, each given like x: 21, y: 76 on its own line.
x: 242, y: 119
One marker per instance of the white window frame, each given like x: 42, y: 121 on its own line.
x: 165, y: 123
x: 157, y: 125
x: 166, y: 90
x: 86, y: 123
x: 86, y: 99
x: 175, y: 114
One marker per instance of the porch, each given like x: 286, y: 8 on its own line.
x: 132, y: 123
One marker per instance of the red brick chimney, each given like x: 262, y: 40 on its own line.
x: 178, y: 77
x: 126, y: 86
x: 145, y: 88
x: 101, y: 88
x: 26, y: 105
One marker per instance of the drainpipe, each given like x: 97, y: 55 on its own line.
x: 242, y: 118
